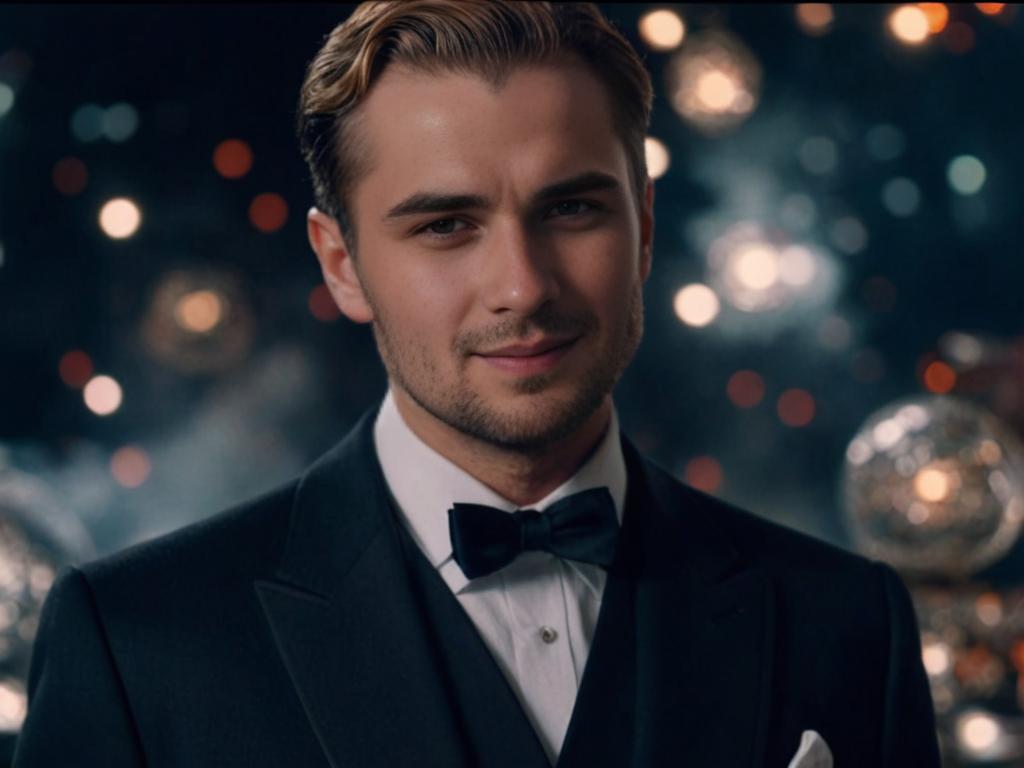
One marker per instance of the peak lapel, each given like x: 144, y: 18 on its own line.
x: 347, y: 624
x: 704, y: 631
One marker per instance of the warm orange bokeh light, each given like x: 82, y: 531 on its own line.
x: 322, y: 306
x: 796, y: 408
x: 75, y: 368
x: 990, y: 9
x: 939, y: 377
x: 268, y: 212
x: 70, y: 176
x: 703, y: 473
x: 232, y: 158
x: 938, y: 16
x: 745, y: 389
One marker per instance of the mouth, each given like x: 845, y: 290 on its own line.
x: 537, y: 357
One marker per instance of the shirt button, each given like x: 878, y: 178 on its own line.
x: 548, y: 635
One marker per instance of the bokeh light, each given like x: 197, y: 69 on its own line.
x: 990, y: 9
x: 130, y: 466
x: 815, y: 18
x: 714, y: 82
x: 70, y: 176
x: 939, y: 378
x: 102, y: 395
x: 796, y: 407
x: 704, y: 473
x: 662, y: 29
x: 13, y: 705
x: 120, y: 121
x: 657, y: 157
x: 818, y: 155
x: 745, y: 389
x: 75, y: 368
x: 937, y: 15
x: 977, y: 733
x: 198, y: 321
x: 966, y: 174
x: 849, y: 235
x: 232, y: 158
x: 87, y: 122
x: 6, y: 98
x: 322, y: 305
x: 901, y: 197
x: 909, y: 24
x: 885, y: 142
x: 120, y: 218
x: 268, y: 212
x: 199, y: 311
x: 696, y: 304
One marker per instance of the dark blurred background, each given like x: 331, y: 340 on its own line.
x: 837, y: 282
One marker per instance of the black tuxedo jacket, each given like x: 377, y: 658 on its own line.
x: 306, y: 629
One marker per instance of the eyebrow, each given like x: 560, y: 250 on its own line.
x: 440, y: 202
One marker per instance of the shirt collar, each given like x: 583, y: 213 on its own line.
x: 425, y: 484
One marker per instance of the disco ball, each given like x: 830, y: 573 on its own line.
x: 30, y: 555
x: 934, y: 485
x: 714, y: 81
x: 198, y: 321
x: 972, y: 648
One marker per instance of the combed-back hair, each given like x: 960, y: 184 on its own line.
x: 487, y: 38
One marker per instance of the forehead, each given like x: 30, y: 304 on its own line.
x: 456, y: 131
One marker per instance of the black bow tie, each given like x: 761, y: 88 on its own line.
x: 583, y: 527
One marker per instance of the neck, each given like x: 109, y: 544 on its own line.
x: 522, y: 478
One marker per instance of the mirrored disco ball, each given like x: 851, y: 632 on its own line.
x: 934, y: 485
x: 30, y: 556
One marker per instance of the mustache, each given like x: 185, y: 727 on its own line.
x: 544, y: 322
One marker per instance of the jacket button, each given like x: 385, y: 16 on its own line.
x: 548, y: 635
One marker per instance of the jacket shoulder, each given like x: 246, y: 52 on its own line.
x: 240, y: 540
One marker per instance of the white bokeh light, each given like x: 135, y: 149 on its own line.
x: 696, y: 304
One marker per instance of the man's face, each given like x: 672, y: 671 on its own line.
x: 491, y: 219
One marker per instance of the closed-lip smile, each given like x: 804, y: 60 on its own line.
x: 538, y: 347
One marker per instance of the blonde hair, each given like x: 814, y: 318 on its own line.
x: 487, y: 38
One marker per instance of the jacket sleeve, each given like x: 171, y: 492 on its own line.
x: 78, y: 713
x: 909, y: 737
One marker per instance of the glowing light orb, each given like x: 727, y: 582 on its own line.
x: 966, y: 174
x: 657, y: 157
x: 977, y: 732
x: 232, y: 158
x: 102, y: 395
x: 815, y: 18
x: 909, y: 24
x: 662, y: 30
x: 696, y: 305
x: 714, y: 82
x: 199, y: 311
x: 130, y: 466
x: 120, y: 218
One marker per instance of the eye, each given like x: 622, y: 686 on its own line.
x: 572, y: 207
x: 443, y: 227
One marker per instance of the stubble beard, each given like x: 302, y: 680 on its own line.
x: 537, y: 423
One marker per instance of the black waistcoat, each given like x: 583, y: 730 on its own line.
x: 495, y: 730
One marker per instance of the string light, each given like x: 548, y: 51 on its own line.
x: 102, y: 395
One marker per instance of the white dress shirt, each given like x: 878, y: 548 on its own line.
x: 537, y: 615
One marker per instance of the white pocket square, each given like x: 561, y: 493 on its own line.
x: 813, y: 752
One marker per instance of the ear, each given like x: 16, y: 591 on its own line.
x: 337, y: 266
x: 647, y: 231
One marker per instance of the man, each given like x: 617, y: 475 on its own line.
x: 484, y: 572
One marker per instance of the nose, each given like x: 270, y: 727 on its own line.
x: 518, y: 275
